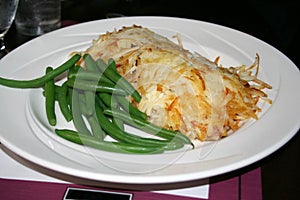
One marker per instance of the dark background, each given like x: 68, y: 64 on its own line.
x: 275, y: 22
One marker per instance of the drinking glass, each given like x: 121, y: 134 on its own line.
x: 36, y: 17
x: 7, y: 14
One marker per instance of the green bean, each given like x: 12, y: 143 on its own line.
x: 62, y: 98
x: 50, y: 99
x: 55, y: 88
x: 93, y: 72
x: 120, y: 135
x: 90, y: 63
x: 90, y: 117
x: 108, y: 99
x: 99, y: 102
x: 118, y: 122
x: 87, y: 85
x: 90, y: 76
x: 113, y: 66
x: 70, y: 97
x: 118, y: 147
x: 110, y: 72
x: 90, y: 102
x: 131, y: 109
x: 123, y: 136
x: 78, y: 120
x: 96, y: 128
x: 82, y: 102
x: 73, y: 70
x: 147, y: 126
x: 39, y: 82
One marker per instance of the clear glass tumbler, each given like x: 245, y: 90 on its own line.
x: 7, y: 14
x: 36, y: 17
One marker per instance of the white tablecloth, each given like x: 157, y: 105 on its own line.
x: 15, y: 167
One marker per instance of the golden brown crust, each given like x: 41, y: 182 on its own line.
x: 182, y: 90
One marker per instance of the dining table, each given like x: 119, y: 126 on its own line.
x: 276, y: 176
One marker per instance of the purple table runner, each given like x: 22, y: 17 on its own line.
x: 246, y: 186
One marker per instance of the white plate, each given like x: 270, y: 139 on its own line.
x: 24, y: 129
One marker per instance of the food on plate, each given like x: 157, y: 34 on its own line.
x: 136, y: 77
x: 94, y: 99
x: 182, y: 91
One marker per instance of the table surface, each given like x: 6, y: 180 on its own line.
x: 274, y: 23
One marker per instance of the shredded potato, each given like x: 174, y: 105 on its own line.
x: 180, y: 90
